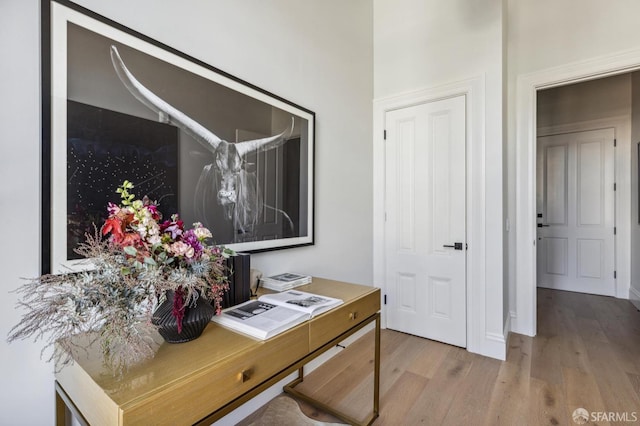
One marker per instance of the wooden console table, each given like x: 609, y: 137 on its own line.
x: 201, y: 381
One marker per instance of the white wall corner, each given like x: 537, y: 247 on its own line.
x: 634, y: 297
x: 495, y: 345
x: 508, y: 325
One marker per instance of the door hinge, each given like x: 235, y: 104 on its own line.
x: 614, y: 186
x: 615, y: 274
x: 615, y: 230
x: 615, y: 143
x: 385, y: 135
x: 385, y: 299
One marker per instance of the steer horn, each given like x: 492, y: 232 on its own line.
x: 265, y: 144
x: 167, y: 112
x: 170, y: 114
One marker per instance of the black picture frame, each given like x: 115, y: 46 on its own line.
x: 245, y: 156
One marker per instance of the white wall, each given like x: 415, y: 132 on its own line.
x: 545, y: 34
x: 634, y: 292
x: 422, y: 44
x: 608, y: 97
x: 296, y: 49
x: 27, y: 396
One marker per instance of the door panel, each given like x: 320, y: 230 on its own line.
x: 576, y: 212
x: 425, y: 211
x: 556, y: 185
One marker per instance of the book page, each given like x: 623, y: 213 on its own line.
x: 260, y: 314
x: 260, y: 319
x: 302, y: 301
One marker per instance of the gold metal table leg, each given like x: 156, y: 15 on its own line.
x: 290, y: 388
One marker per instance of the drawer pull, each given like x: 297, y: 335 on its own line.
x: 353, y: 315
x: 244, y: 375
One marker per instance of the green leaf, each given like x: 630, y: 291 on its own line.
x: 150, y: 261
x: 130, y: 250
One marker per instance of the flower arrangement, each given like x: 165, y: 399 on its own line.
x: 137, y: 258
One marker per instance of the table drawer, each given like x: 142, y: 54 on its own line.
x: 198, y: 395
x: 327, y: 326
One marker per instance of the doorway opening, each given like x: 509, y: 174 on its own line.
x: 577, y: 201
x: 528, y: 87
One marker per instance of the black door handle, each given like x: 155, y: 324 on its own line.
x: 543, y: 225
x: 456, y: 246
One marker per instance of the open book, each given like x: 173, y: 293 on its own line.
x: 272, y: 314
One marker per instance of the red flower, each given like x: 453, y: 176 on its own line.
x: 129, y: 239
x: 113, y: 225
x: 178, y: 308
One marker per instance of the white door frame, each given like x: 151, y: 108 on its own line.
x: 478, y: 340
x: 524, y: 318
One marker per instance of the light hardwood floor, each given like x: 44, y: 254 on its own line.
x: 586, y: 354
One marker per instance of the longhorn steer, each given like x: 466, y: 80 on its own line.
x: 237, y: 189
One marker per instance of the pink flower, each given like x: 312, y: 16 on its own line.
x: 112, y: 209
x: 153, y: 209
x: 182, y: 249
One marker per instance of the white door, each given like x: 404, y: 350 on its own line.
x: 425, y: 244
x: 575, y: 200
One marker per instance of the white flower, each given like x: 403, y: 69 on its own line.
x: 201, y: 232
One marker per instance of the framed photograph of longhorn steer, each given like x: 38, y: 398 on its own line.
x: 215, y: 149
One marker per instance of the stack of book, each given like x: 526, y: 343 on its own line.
x: 283, y: 282
x: 238, y: 267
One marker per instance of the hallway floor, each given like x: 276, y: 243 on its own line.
x: 586, y: 355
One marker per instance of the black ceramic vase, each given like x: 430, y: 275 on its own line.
x: 194, y: 321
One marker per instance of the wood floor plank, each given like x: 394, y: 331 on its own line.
x: 572, y: 347
x: 473, y: 397
x: 510, y: 398
x: 401, y: 397
x: 334, y: 382
x: 546, y: 348
x: 615, y: 387
x: 358, y: 402
x: 546, y: 404
x: 581, y: 391
x: 435, y: 400
x: 635, y: 382
x: 429, y: 361
x: 546, y: 358
x: 590, y: 331
x: 412, y: 351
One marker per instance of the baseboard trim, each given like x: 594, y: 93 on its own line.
x: 495, y: 346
